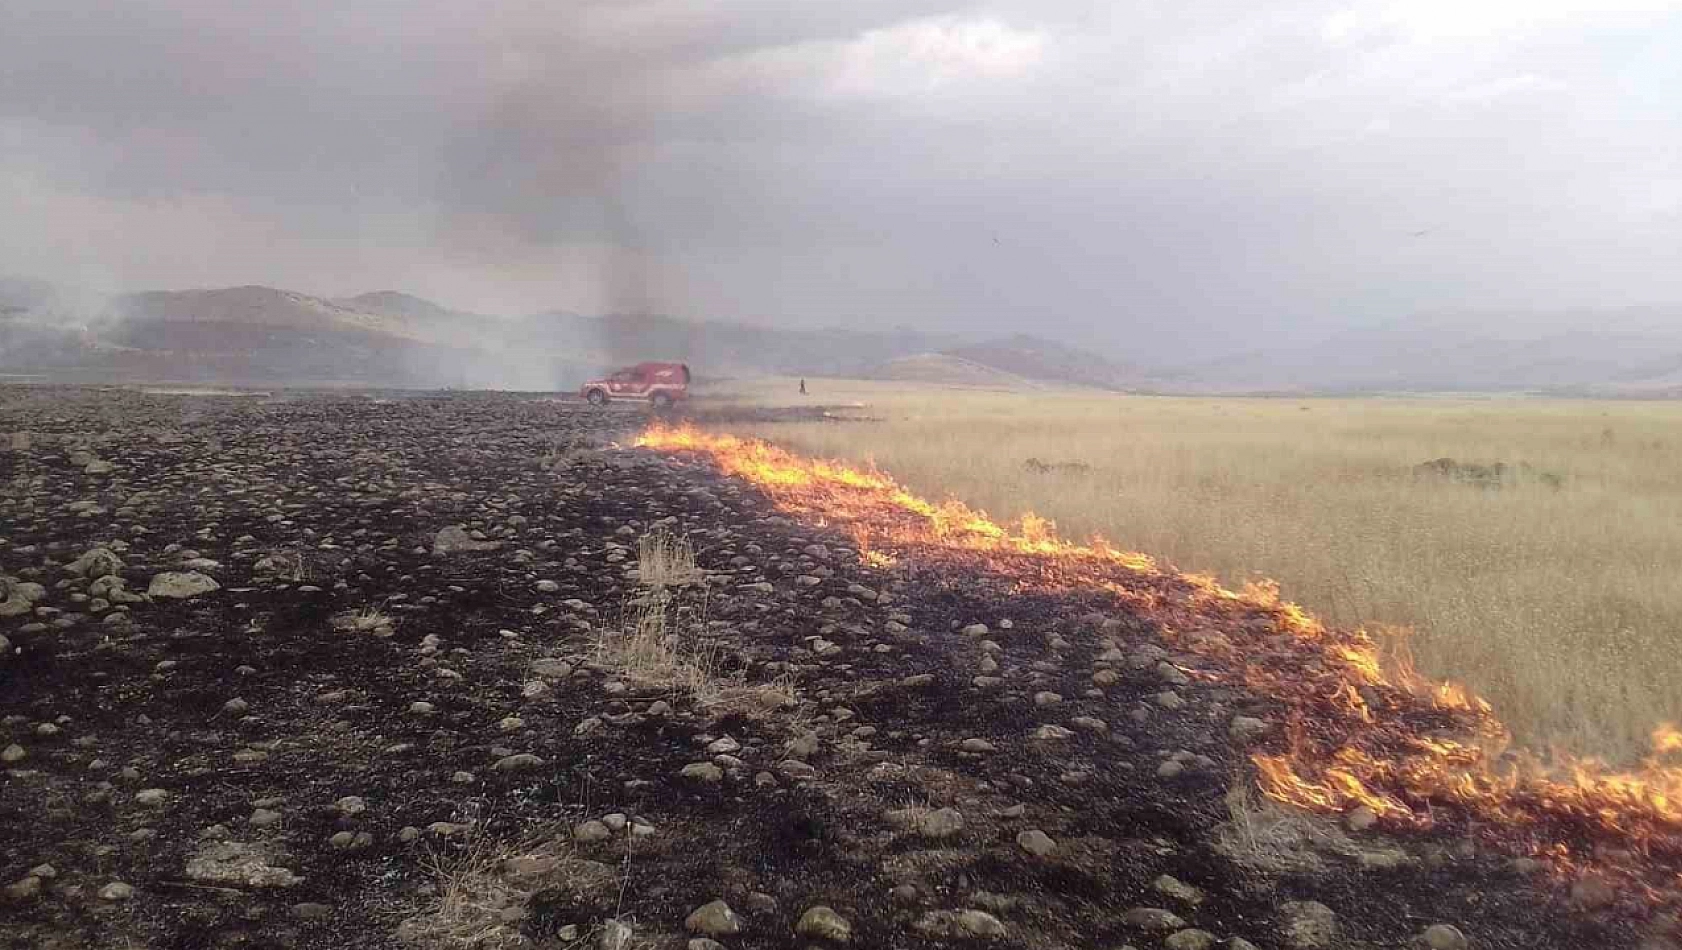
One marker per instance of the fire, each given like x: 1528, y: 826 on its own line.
x: 1362, y: 727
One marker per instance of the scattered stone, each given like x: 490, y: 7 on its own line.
x: 234, y: 863
x: 310, y: 911
x: 517, y: 763
x: 1308, y: 925
x: 116, y: 891
x: 1036, y: 842
x: 714, y: 920
x: 1444, y: 937
x: 1248, y: 728
x: 1179, y: 890
x: 1592, y: 892
x: 151, y: 796
x: 181, y: 585
x: 977, y: 745
x: 590, y: 832
x: 615, y: 935
x: 455, y: 539
x: 13, y: 754
x: 1361, y: 818
x: 940, y: 824
x: 970, y: 924
x: 1153, y: 919
x: 703, y: 771
x: 825, y: 924
x: 1190, y: 940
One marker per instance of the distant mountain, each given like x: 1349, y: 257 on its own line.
x: 1049, y: 361
x: 269, y: 336
x: 1595, y: 352
x: 946, y: 370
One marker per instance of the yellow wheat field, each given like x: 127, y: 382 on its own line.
x: 1554, y: 587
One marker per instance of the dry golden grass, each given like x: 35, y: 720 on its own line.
x: 1556, y: 595
x: 482, y: 887
x: 666, y: 560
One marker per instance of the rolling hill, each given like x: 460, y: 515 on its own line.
x: 268, y: 336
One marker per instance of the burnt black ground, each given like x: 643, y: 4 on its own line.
x: 350, y: 490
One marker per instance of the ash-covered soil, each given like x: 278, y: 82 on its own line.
x: 347, y: 729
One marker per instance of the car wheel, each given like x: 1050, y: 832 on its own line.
x: 597, y: 397
x: 662, y: 401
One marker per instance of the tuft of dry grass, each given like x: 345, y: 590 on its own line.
x: 1552, y: 590
x: 666, y: 560
x: 482, y: 888
x: 655, y: 648
x: 369, y: 621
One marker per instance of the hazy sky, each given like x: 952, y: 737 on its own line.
x: 1137, y: 174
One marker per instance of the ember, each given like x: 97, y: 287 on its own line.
x: 1362, y: 729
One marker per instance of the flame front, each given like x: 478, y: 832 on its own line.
x: 1358, y: 731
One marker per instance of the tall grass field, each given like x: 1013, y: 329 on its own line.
x: 1532, y: 547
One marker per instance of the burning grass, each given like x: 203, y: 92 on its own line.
x: 1555, y: 597
x: 1362, y: 730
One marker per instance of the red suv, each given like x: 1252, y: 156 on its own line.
x: 658, y: 384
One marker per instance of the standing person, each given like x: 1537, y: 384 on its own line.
x: 803, y: 387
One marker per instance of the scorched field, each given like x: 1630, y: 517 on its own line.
x: 451, y: 672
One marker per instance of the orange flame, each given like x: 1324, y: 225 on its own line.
x: 1362, y: 728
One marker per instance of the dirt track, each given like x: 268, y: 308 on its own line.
x: 160, y: 742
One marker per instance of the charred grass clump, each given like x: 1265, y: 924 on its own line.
x: 661, y: 643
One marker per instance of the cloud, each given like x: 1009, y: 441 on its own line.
x: 1148, y: 176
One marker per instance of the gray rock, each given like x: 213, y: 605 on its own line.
x: 116, y: 891
x: 237, y: 864
x: 1190, y: 940
x: 1361, y: 819
x: 26, y: 889
x: 977, y: 745
x: 1444, y: 937
x: 1239, y: 943
x: 13, y: 754
x: 517, y: 762
x: 1247, y: 728
x: 151, y: 796
x: 970, y: 924
x: 703, y: 771
x: 95, y: 563
x: 1153, y: 919
x: 263, y: 818
x: 181, y: 585
x: 1308, y: 925
x: 825, y: 924
x: 309, y: 911
x: 940, y: 824
x: 615, y: 935
x: 590, y: 832
x: 5, y: 648
x: 455, y: 539
x: 1036, y: 842
x: 714, y: 920
x: 1179, y: 890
